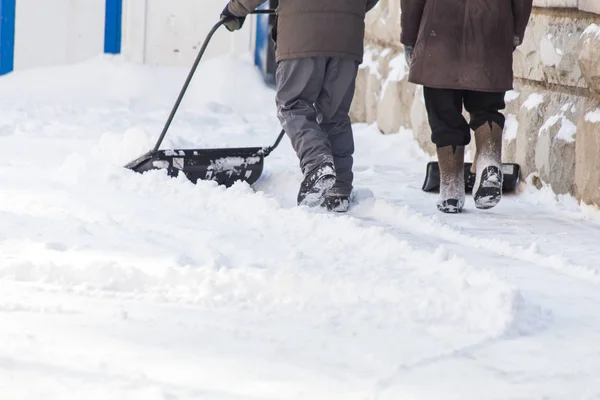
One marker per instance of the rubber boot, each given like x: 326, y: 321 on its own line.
x: 487, y: 165
x: 452, y: 179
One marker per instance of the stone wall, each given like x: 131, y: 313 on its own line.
x: 553, y: 115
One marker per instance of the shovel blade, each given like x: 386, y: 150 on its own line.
x: 509, y: 184
x: 224, y: 166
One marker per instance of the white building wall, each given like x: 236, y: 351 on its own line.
x: 159, y: 32
x: 156, y: 32
x: 50, y: 32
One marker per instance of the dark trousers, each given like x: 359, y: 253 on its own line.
x: 314, y: 96
x: 444, y: 111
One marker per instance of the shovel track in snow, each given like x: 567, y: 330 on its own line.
x: 390, y: 215
x: 274, y: 259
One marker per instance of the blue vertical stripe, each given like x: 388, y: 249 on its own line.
x: 7, y: 35
x: 112, y: 26
x: 261, y: 39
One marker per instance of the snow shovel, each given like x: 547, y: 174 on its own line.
x: 509, y: 184
x: 223, y: 165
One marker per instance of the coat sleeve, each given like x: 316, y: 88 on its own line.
x: 521, y: 14
x: 412, y: 12
x: 371, y: 4
x: 241, y: 8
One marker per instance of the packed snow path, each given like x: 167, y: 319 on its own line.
x: 115, y: 285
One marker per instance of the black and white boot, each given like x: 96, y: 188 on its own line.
x: 487, y: 191
x: 315, y: 184
x: 452, y: 179
x: 336, y: 203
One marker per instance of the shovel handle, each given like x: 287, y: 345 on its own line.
x: 268, y: 150
x: 191, y: 74
x: 186, y: 84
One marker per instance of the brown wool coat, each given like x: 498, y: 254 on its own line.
x: 464, y: 44
x: 307, y: 28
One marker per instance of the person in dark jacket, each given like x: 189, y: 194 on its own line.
x: 462, y: 54
x: 319, y: 47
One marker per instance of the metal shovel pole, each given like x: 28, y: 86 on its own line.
x: 191, y: 74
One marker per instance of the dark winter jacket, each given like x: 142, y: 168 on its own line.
x: 307, y: 28
x: 464, y: 44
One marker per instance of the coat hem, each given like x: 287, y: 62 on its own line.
x: 307, y: 54
x: 459, y: 87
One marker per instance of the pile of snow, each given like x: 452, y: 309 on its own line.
x: 120, y: 285
x: 109, y: 80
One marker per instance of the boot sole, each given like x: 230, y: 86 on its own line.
x: 450, y: 206
x: 341, y: 206
x: 489, y: 192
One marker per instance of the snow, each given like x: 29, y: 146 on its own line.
x: 593, y: 116
x: 371, y: 61
x: 566, y: 106
x: 385, y: 52
x: 555, y: 3
x: 567, y: 130
x: 229, y: 163
x: 116, y: 285
x: 549, y: 54
x: 398, y: 68
x: 512, y: 127
x: 511, y: 95
x: 593, y: 29
x: 398, y: 71
x: 533, y: 101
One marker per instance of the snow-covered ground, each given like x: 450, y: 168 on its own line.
x: 115, y: 285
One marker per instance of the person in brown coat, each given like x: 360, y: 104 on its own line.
x: 319, y: 47
x: 462, y: 53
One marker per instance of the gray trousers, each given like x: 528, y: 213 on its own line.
x: 313, y: 105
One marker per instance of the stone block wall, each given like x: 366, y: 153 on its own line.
x: 553, y: 114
